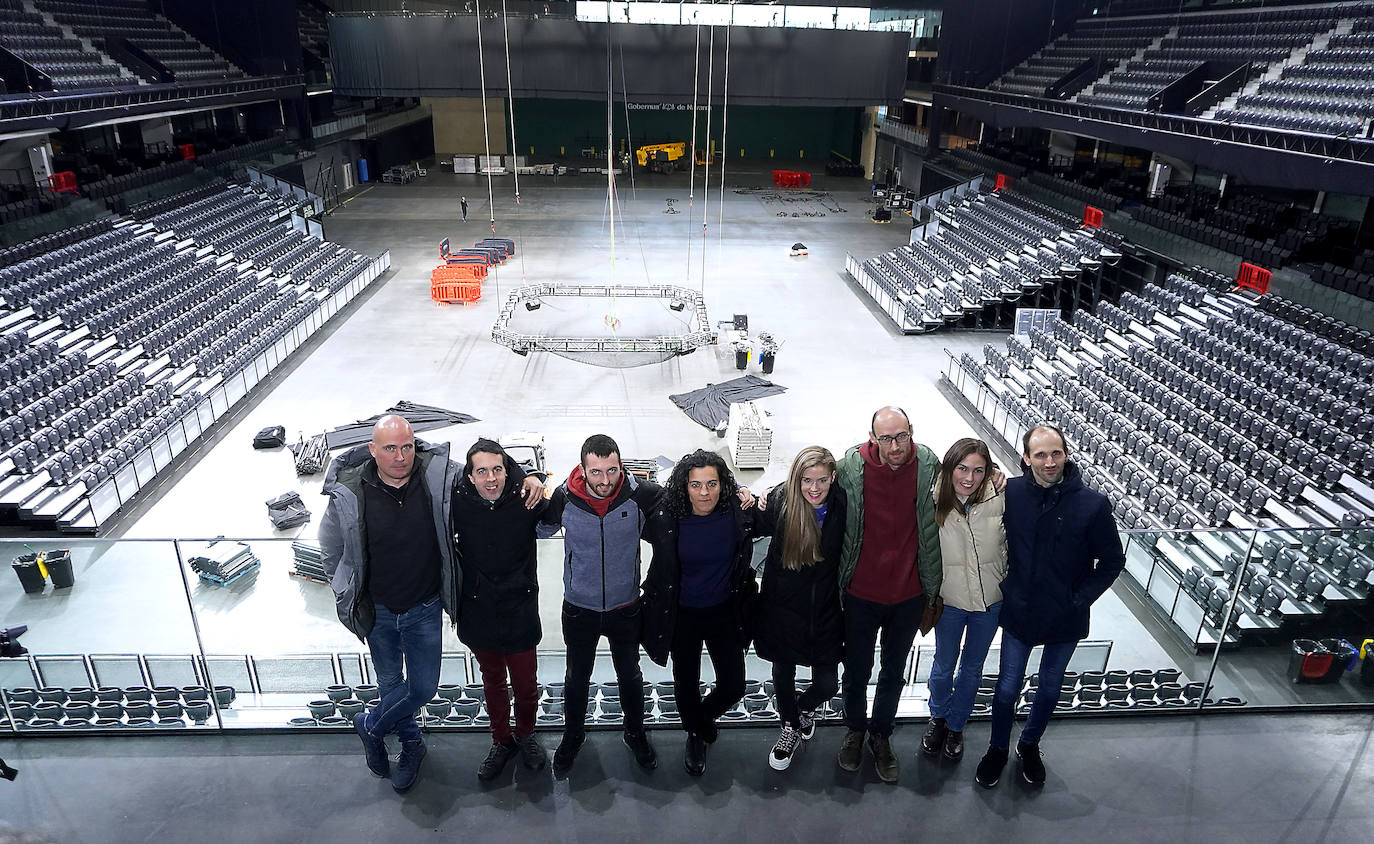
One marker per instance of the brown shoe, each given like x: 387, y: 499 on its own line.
x: 851, y: 751
x: 884, y: 760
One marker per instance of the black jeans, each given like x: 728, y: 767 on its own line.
x: 715, y: 629
x: 582, y: 629
x: 825, y: 681
x: 863, y: 622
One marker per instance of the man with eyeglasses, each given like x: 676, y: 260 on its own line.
x: 890, y: 562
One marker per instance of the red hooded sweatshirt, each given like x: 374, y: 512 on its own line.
x: 577, y: 485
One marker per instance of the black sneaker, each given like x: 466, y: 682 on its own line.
x: 374, y: 748
x: 785, y: 748
x: 851, y: 751
x: 1032, y: 766
x: 990, y: 769
x: 644, y: 751
x: 936, y: 731
x: 531, y: 752
x: 806, y: 725
x: 695, y: 758
x: 954, y: 745
x: 408, y: 765
x: 566, y: 753
x: 497, y: 758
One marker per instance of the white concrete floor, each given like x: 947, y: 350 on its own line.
x: 840, y: 361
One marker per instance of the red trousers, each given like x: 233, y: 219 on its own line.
x: 520, y: 667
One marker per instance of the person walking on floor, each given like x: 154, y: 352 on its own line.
x: 698, y: 590
x: 463, y: 204
x: 601, y: 509
x: 387, y: 547
x: 973, y: 550
x: 797, y: 619
x: 890, y: 562
x: 1064, y: 553
x: 499, y: 610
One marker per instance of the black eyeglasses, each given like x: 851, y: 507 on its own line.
x: 894, y: 439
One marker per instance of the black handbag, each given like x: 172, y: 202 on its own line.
x: 272, y: 437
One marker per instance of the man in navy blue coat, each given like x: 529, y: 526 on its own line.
x: 1063, y: 552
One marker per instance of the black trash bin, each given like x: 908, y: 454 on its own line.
x: 59, y: 565
x: 1367, y: 664
x: 30, y: 576
x: 766, y: 361
x: 1309, y: 662
x: 741, y: 356
x: 1343, y: 656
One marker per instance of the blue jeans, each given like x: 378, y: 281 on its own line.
x: 1011, y: 675
x: 413, y: 641
x: 864, y: 622
x: 951, y: 698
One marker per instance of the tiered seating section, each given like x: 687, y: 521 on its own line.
x: 1261, y: 229
x: 981, y: 250
x: 1311, y: 67
x: 1331, y: 91
x: 1194, y: 407
x: 153, y: 35
x: 1258, y: 38
x: 60, y: 58
x: 250, y: 228
x: 121, y: 340
x: 1105, y: 42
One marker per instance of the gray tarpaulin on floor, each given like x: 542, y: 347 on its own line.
x: 421, y: 417
x: 710, y: 406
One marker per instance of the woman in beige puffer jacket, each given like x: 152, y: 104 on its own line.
x: 973, y: 545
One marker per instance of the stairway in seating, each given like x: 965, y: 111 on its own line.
x: 1120, y: 67
x: 1275, y: 70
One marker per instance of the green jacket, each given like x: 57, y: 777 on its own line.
x: 850, y: 475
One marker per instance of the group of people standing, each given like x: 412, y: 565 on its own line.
x: 864, y: 553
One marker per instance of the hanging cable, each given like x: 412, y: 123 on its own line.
x: 692, y: 147
x: 630, y: 163
x: 610, y: 318
x: 510, y: 101
x: 625, y: 92
x: 710, y: 154
x: 514, y: 151
x: 724, y: 150
x: 486, y: 132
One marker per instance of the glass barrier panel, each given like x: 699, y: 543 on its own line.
x: 112, y: 644
x: 1300, y: 621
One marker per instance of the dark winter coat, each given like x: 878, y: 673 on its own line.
x: 663, y: 583
x: 343, y: 539
x: 1063, y: 552
x: 496, y: 548
x: 797, y: 617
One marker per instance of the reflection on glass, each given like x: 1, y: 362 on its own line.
x: 1301, y: 620
x: 111, y: 640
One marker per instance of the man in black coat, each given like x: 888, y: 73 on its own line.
x: 499, y: 617
x: 1063, y: 553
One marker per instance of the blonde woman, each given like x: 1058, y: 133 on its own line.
x: 973, y: 546
x: 798, y: 620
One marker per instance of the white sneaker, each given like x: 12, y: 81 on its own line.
x: 785, y: 749
x: 806, y: 725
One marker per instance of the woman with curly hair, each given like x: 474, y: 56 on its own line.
x: 798, y: 619
x: 698, y: 590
